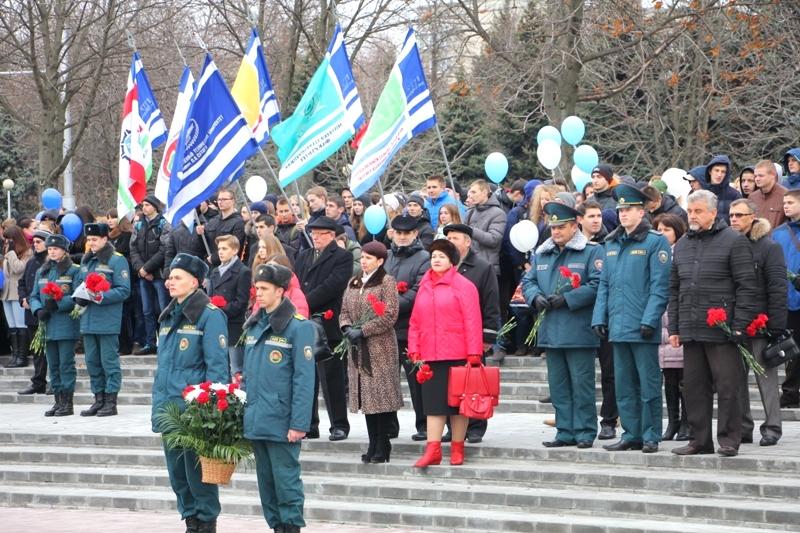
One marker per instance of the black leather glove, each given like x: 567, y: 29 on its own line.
x: 541, y: 303
x: 557, y: 301
x: 601, y: 331
x: 796, y: 283
x: 83, y: 302
x: 353, y: 335
x: 51, y: 305
x: 42, y: 315
x: 647, y: 332
x: 737, y: 337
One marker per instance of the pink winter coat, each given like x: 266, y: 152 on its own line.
x: 295, y: 295
x: 445, y: 322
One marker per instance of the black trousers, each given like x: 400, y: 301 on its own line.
x: 709, y: 367
x: 39, y: 379
x: 791, y: 385
x: 332, y: 377
x: 608, y: 409
x: 415, y: 389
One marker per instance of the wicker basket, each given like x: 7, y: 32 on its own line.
x: 216, y: 472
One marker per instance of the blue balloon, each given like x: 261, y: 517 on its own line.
x: 71, y: 226
x: 496, y: 166
x: 572, y: 129
x: 585, y: 158
x: 51, y: 199
x: 548, y: 132
x: 375, y: 219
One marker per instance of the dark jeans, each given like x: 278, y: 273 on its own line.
x: 608, y: 409
x: 154, y: 298
x: 332, y: 377
x: 791, y: 385
x: 137, y: 321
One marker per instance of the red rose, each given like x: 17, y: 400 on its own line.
x: 414, y: 357
x: 751, y: 330
x: 371, y: 298
x: 327, y: 315
x: 716, y: 315
x: 187, y: 390
x: 425, y: 368
x: 761, y: 320
x: 565, y: 272
x: 219, y: 301
x: 97, y: 282
x: 53, y: 290
x: 204, y: 397
x: 233, y: 386
x: 222, y: 404
x: 379, y: 308
x: 402, y: 287
x: 206, y: 386
x: 221, y: 393
x: 424, y: 374
x: 575, y: 280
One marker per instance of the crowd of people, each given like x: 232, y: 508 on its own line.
x: 622, y: 272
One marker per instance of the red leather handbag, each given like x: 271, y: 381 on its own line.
x: 475, y: 390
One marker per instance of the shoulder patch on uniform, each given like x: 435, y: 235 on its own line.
x: 308, y: 353
x: 223, y: 341
x: 298, y: 316
x: 663, y: 257
x: 125, y: 274
x: 598, y: 264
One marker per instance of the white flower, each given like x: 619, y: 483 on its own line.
x: 192, y: 396
x: 219, y: 386
x: 241, y: 395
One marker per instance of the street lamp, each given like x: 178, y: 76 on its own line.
x: 8, y: 184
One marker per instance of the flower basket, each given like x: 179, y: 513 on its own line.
x: 216, y: 472
x: 211, y: 425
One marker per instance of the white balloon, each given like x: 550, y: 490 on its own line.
x: 255, y: 188
x: 549, y: 154
x: 524, y: 235
x: 676, y: 185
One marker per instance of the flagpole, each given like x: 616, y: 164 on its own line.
x: 202, y: 235
x: 444, y: 155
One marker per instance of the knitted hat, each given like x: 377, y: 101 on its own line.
x: 152, y: 200
x: 604, y: 170
x: 447, y: 248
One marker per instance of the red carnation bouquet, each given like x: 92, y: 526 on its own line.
x: 219, y: 301
x: 94, y: 286
x: 212, y: 425
x: 717, y: 317
x: 423, y: 369
x: 376, y: 308
x: 566, y: 278
x: 52, y: 291
x: 402, y: 287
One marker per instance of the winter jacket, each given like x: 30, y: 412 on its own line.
x: 374, y: 388
x: 324, y: 281
x: 568, y: 326
x: 432, y: 206
x: 298, y: 299
x: 791, y: 181
x: 13, y: 270
x: 445, y: 323
x: 770, y: 205
x: 634, y: 285
x: 60, y: 325
x: 27, y: 285
x: 668, y: 356
x: 290, y: 235
x: 105, y: 317
x: 407, y: 264
x: 488, y: 223
x: 482, y: 275
x: 234, y: 286
x: 606, y: 198
x: 669, y: 206
x: 192, y: 348
x: 711, y: 268
x: 770, y: 267
x: 724, y: 192
x: 147, y: 247
x: 425, y: 230
x: 278, y: 373
x: 233, y: 224
x: 181, y: 240
x: 344, y: 222
x: 788, y: 237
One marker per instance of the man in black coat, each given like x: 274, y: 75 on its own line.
x: 770, y: 267
x: 25, y: 287
x: 147, y: 258
x: 323, y: 272
x: 659, y: 203
x: 712, y: 267
x: 228, y: 222
x: 182, y: 240
x: 407, y: 262
x: 482, y: 275
x: 231, y: 280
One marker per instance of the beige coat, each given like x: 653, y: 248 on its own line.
x: 379, y: 392
x: 13, y: 269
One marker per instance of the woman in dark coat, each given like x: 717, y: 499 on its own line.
x: 120, y: 239
x: 26, y: 285
x: 372, y: 362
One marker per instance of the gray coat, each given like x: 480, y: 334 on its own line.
x: 488, y: 223
x: 409, y: 264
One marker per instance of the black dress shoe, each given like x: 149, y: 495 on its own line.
x: 691, y: 450
x: 769, y: 440
x: 607, y: 433
x: 30, y: 389
x: 447, y: 437
x: 419, y: 436
x: 474, y: 438
x: 146, y: 350
x: 557, y: 443
x: 623, y: 445
x: 546, y: 399
x: 789, y: 402
x: 313, y: 434
x: 728, y: 451
x: 583, y: 444
x: 337, y: 434
x: 649, y: 447
x: 747, y: 439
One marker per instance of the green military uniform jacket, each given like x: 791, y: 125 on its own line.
x: 192, y: 348
x: 66, y: 274
x: 105, y: 317
x: 278, y: 373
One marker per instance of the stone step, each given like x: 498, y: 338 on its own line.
x: 419, y: 514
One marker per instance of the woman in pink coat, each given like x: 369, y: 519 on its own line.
x: 294, y: 292
x: 445, y: 328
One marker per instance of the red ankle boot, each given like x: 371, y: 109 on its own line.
x: 457, y: 453
x: 432, y: 455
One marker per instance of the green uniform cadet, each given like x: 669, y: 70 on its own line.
x: 61, y: 330
x: 101, y: 322
x: 279, y: 379
x: 192, y: 348
x: 631, y: 300
x: 565, y: 331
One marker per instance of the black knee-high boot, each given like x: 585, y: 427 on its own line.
x: 672, y: 395
x: 383, y: 449
x: 372, y: 432
x: 684, y: 430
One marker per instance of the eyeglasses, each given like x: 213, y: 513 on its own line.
x: 740, y: 215
x: 224, y: 199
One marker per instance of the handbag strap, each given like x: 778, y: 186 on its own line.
x: 483, y: 378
